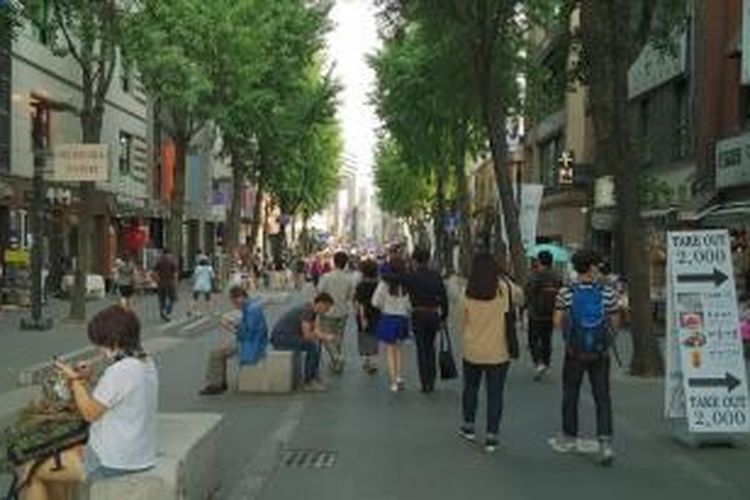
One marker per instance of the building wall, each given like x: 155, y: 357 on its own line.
x: 36, y: 71
x: 723, y: 108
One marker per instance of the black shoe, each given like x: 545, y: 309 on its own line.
x: 213, y: 390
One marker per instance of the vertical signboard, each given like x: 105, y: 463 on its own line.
x: 528, y: 212
x: 706, y: 373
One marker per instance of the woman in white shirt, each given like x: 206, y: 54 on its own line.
x: 392, y: 299
x: 121, y: 409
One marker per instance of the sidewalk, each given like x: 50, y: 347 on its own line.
x: 21, y: 349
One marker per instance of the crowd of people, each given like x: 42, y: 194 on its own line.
x: 400, y: 298
x: 393, y: 300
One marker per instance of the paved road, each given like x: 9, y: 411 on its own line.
x: 404, y: 446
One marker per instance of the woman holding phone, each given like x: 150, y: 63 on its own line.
x: 121, y: 409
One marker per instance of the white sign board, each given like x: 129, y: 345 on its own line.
x: 706, y: 374
x: 733, y: 161
x: 745, y: 42
x: 81, y: 163
x: 531, y: 202
x: 656, y: 66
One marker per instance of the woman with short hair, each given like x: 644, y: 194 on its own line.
x: 121, y: 409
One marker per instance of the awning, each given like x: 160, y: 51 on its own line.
x: 726, y: 213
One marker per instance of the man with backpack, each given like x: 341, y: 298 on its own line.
x: 541, y: 293
x: 586, y: 313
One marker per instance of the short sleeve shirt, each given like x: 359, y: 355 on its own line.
x: 125, y: 436
x: 609, y: 296
x: 289, y: 326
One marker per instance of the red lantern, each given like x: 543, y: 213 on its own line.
x: 134, y: 239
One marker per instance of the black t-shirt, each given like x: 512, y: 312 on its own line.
x: 289, y: 326
x: 363, y: 295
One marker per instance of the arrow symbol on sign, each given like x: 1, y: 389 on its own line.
x: 728, y: 380
x: 717, y: 277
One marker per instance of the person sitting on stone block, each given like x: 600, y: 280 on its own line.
x: 297, y: 331
x: 121, y: 411
x: 248, y: 324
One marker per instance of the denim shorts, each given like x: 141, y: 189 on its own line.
x: 95, y: 471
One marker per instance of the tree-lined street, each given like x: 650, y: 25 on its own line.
x: 572, y: 172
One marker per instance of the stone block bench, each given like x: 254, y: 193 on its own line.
x: 187, y: 465
x: 277, y: 373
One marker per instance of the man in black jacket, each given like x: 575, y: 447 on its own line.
x: 541, y: 294
x: 429, y: 309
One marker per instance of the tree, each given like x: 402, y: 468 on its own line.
x: 92, y: 30
x: 160, y: 40
x: 422, y: 100
x: 487, y: 38
x: 612, y: 34
x: 262, y: 53
x: 403, y: 191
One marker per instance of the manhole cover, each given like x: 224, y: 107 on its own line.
x: 308, y: 459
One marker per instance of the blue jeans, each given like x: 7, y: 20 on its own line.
x: 311, y: 348
x: 95, y: 471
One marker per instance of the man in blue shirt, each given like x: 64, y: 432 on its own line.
x: 250, y: 342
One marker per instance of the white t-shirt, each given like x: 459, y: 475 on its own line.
x: 339, y: 285
x: 125, y: 436
x: 395, y: 305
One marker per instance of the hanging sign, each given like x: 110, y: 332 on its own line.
x: 81, y: 163
x: 706, y: 374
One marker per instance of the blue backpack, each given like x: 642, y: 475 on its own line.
x: 587, y: 321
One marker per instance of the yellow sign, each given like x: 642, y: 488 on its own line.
x: 17, y: 257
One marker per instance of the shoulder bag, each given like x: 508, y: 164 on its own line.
x: 511, y: 335
x: 446, y: 361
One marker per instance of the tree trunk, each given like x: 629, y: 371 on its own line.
x: 177, y: 199
x: 463, y: 203
x: 440, y: 210
x: 607, y: 51
x: 495, y: 122
x: 91, y: 125
x: 257, y: 215
x: 233, y: 223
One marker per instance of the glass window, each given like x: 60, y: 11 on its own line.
x: 126, y: 152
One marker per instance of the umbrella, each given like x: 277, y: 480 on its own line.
x: 559, y: 254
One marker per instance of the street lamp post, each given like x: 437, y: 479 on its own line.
x: 41, y: 111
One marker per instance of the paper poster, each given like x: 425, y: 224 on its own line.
x: 704, y: 344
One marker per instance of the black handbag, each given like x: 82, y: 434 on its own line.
x: 446, y: 361
x: 511, y: 335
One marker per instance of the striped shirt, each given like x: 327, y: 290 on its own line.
x: 609, y: 297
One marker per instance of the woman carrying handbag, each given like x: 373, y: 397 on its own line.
x: 489, y: 343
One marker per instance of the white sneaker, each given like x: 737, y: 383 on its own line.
x: 606, y: 453
x: 539, y: 372
x: 394, y: 388
x: 564, y: 444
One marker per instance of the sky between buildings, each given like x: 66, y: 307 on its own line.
x: 354, y: 37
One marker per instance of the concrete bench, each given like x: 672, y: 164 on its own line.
x: 187, y: 465
x: 277, y: 373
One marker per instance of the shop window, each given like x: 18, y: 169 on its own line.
x: 126, y: 76
x: 550, y: 152
x: 126, y: 153
x: 681, y: 120
x: 745, y: 107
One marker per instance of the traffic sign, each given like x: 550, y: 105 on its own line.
x: 706, y: 375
